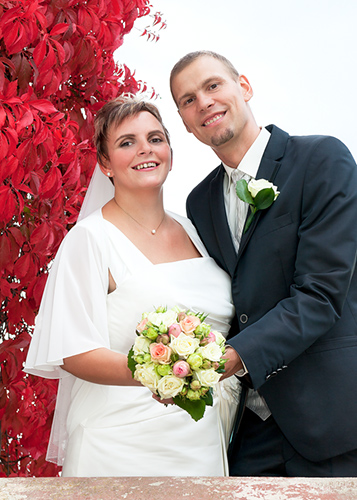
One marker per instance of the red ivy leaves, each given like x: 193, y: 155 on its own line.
x: 56, y: 71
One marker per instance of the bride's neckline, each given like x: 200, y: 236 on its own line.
x: 202, y: 256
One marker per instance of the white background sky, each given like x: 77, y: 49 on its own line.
x: 300, y: 57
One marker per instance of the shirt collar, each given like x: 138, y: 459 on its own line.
x: 251, y: 160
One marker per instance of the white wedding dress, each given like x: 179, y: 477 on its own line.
x: 103, y: 430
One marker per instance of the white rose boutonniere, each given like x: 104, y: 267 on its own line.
x: 259, y: 194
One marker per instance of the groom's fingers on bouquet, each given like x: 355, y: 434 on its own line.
x: 166, y: 402
x: 234, y: 363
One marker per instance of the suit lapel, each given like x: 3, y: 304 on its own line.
x: 220, y: 223
x: 268, y: 169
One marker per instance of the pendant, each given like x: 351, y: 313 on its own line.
x: 153, y: 231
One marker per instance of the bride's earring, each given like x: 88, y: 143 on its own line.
x: 108, y: 174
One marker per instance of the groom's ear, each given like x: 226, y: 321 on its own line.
x: 246, y: 88
x: 187, y: 127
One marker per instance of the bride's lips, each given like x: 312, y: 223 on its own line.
x: 146, y: 165
x: 213, y: 119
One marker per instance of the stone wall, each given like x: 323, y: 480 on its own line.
x: 193, y: 488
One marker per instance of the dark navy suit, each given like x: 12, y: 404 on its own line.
x: 294, y: 287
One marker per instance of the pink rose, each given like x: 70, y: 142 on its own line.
x: 141, y: 326
x: 160, y: 353
x: 164, y: 339
x: 181, y: 369
x: 175, y: 330
x: 189, y: 324
x: 207, y: 340
x: 211, y: 337
x: 181, y: 315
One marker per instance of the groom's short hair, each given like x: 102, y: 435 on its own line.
x: 192, y: 56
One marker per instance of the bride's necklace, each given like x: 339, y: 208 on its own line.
x: 152, y: 231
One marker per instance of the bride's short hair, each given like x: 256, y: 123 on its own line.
x: 113, y: 113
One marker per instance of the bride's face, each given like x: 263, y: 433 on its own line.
x: 139, y: 154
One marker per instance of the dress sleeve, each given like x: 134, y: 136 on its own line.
x: 73, y: 315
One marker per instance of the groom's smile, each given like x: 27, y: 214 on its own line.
x: 213, y: 119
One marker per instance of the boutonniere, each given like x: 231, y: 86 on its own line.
x: 260, y: 194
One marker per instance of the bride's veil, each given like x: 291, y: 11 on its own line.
x: 99, y: 192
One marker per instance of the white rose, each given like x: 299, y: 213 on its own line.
x: 220, y: 340
x: 211, y: 351
x: 256, y: 185
x: 155, y: 318
x: 146, y: 375
x: 166, y: 318
x: 169, y: 386
x: 207, y: 378
x: 141, y: 345
x: 183, y: 345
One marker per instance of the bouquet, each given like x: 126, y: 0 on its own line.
x: 177, y: 355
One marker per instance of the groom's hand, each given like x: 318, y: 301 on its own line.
x: 233, y: 364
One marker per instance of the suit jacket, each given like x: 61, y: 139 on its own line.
x: 294, y: 287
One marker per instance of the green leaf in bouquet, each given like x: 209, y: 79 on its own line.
x: 201, y: 316
x: 161, y: 309
x: 195, y: 409
x: 131, y: 361
x: 208, y: 398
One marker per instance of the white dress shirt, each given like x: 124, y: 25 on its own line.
x: 237, y: 211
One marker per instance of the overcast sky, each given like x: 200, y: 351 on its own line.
x: 299, y: 56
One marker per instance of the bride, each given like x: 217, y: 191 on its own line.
x: 126, y: 255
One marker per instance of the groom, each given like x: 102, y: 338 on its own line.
x: 294, y: 285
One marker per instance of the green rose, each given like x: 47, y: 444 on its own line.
x: 151, y: 333
x: 193, y: 395
x: 163, y: 370
x: 195, y: 361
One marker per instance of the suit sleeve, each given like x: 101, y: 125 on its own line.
x: 324, y: 267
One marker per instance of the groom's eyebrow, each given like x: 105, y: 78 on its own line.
x: 184, y: 96
x: 202, y: 85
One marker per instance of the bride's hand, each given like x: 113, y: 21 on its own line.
x: 166, y: 402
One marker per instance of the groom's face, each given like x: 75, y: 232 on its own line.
x: 212, y: 102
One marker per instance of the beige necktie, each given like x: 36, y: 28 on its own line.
x: 241, y: 206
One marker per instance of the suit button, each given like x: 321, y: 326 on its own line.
x: 271, y: 375
x: 243, y: 318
